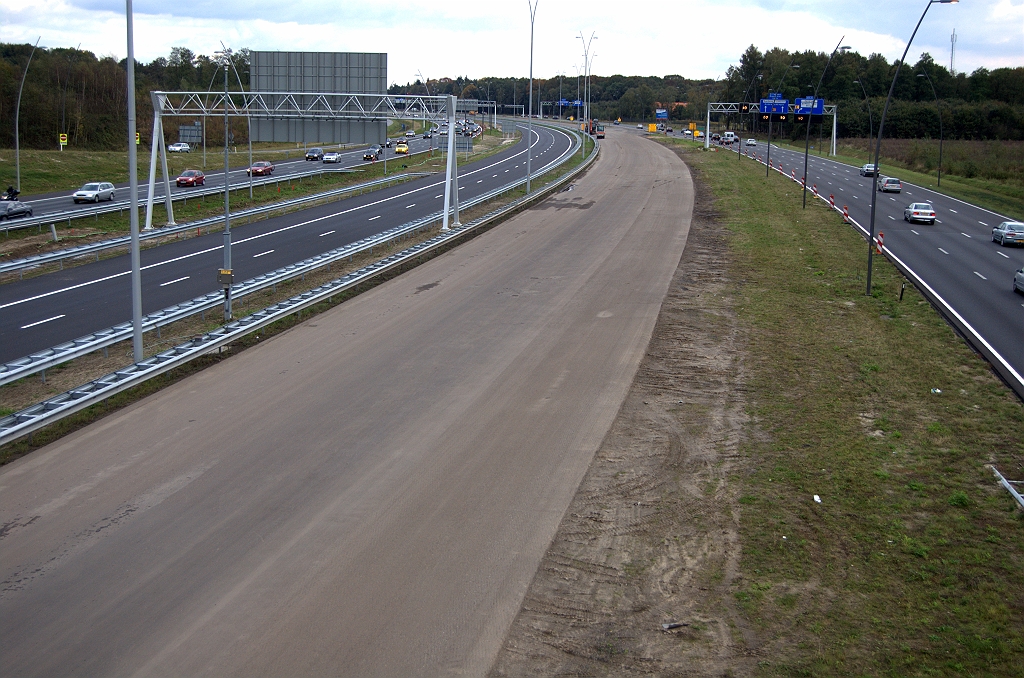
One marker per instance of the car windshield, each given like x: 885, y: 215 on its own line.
x: 189, y: 173
x: 922, y: 206
x: 91, y: 187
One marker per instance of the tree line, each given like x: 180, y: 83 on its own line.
x: 74, y: 92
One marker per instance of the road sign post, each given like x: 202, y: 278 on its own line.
x: 63, y: 138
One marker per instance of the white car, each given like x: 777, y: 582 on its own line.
x: 410, y: 133
x: 639, y: 126
x: 94, y: 192
x: 180, y: 147
x: 751, y: 142
x: 332, y: 156
x: 687, y: 133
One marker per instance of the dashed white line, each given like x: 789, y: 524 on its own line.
x: 980, y: 275
x: 1002, y: 255
x: 176, y: 280
x: 442, y: 195
x: 376, y: 217
x: 40, y: 322
x: 983, y: 223
x: 493, y: 176
x: 943, y: 251
x: 914, y: 232
x: 480, y: 181
x: 261, y: 254
x: 412, y: 205
x: 893, y: 218
x: 963, y: 234
x: 953, y: 211
x: 323, y: 234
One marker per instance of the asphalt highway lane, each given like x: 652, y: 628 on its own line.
x: 368, y: 494
x: 955, y: 256
x: 52, y: 203
x: 47, y: 310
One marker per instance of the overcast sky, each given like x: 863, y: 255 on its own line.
x: 695, y: 38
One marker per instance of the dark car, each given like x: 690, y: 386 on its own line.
x: 373, y: 153
x: 13, y: 208
x: 315, y: 154
x: 260, y: 169
x: 191, y: 177
x: 428, y: 135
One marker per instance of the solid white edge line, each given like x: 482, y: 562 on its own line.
x: 40, y: 322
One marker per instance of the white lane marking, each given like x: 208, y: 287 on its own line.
x: 893, y: 218
x: 40, y: 322
x: 442, y: 195
x: 255, y: 237
x: 980, y: 275
x: 1002, y: 255
x: 373, y: 218
x: 893, y: 199
x: 983, y: 223
x: 953, y: 211
x: 914, y: 232
x: 856, y: 197
x: 943, y: 251
x: 256, y: 256
x: 939, y: 221
x: 323, y: 234
x: 412, y: 205
x: 962, y: 233
x: 506, y: 170
x: 493, y: 175
x: 171, y: 282
x: 841, y: 188
x: 480, y: 181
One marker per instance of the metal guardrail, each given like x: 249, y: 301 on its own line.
x: 1009, y: 485
x: 56, y: 355
x: 123, y: 241
x: 30, y: 419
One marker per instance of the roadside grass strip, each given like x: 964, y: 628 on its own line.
x: 912, y: 562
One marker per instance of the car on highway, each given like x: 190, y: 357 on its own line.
x: 191, y: 177
x: 869, y: 170
x: 428, y: 135
x: 1018, y: 281
x: 890, y: 185
x: 315, y: 154
x: 639, y: 126
x: 94, y: 192
x: 1009, y: 233
x: 180, y: 147
x: 919, y: 211
x: 716, y: 136
x: 12, y: 208
x: 751, y: 142
x: 401, y: 147
x: 261, y: 168
x: 332, y: 157
x: 373, y: 153
x: 698, y: 135
x: 410, y: 134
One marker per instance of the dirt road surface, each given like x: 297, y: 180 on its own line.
x: 369, y: 493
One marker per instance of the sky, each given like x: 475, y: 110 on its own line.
x: 692, y: 38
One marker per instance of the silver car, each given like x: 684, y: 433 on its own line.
x: 1018, y: 281
x: 94, y: 192
x: 869, y: 170
x: 919, y: 211
x: 1009, y: 233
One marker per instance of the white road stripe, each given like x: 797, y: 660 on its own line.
x: 171, y: 282
x: 943, y: 251
x: 914, y: 232
x: 323, y: 234
x: 980, y: 275
x: 963, y: 234
x: 1002, y: 255
x: 412, y: 205
x: 983, y: 223
x: 256, y: 256
x: 953, y: 211
x: 40, y: 322
x: 893, y: 218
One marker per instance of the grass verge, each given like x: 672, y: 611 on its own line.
x: 33, y: 389
x: 911, y: 564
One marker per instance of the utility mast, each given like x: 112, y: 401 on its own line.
x: 952, y: 53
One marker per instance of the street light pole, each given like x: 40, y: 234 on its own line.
x: 807, y: 136
x: 939, y: 109
x: 226, y: 55
x: 587, y: 62
x: 133, y: 198
x: 871, y: 124
x: 529, y: 123
x: 17, y: 110
x: 878, y: 141
x: 756, y: 76
x: 768, y: 158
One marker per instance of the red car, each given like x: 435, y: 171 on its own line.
x: 260, y: 169
x: 191, y: 178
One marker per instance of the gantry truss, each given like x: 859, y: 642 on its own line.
x: 753, y: 109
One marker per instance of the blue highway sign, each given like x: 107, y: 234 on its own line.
x: 774, y: 105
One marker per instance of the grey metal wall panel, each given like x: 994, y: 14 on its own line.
x: 355, y: 72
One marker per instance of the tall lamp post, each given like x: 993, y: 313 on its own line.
x: 867, y: 102
x: 226, y: 272
x: 529, y: 120
x: 17, y: 110
x: 587, y: 62
x: 768, y: 158
x: 757, y: 76
x: 133, y: 198
x: 939, y: 109
x: 878, y: 141
x: 807, y: 136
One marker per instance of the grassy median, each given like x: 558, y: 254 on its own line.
x: 911, y: 563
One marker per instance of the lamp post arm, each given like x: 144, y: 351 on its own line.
x: 807, y: 136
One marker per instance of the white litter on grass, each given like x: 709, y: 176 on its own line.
x: 936, y: 390
x: 817, y: 499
